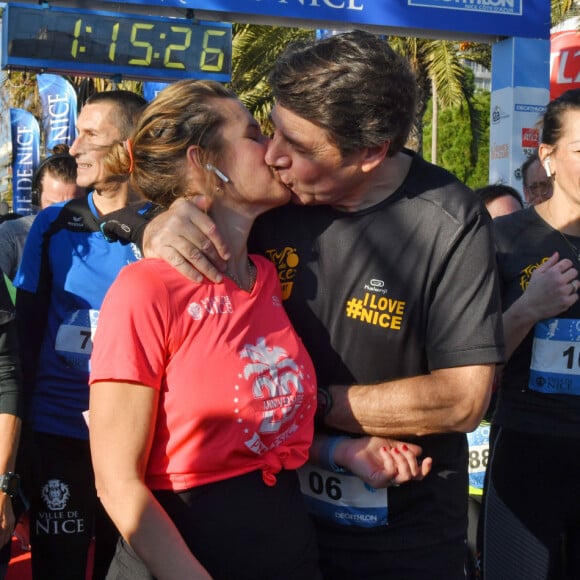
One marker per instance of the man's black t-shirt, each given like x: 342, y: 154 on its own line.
x: 396, y: 290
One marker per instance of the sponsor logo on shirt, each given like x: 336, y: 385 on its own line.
x: 76, y: 221
x: 210, y: 306
x: 286, y: 261
x: 376, y: 307
x: 527, y: 272
x: 58, y: 520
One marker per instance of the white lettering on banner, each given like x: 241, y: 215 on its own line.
x: 336, y: 5
x: 24, y: 140
x: 513, y: 7
x: 530, y: 108
x: 530, y: 137
x: 59, y: 120
x: 561, y: 78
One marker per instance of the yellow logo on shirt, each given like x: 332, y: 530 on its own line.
x: 527, y: 272
x: 286, y: 261
x: 377, y: 310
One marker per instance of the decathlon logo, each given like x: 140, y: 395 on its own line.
x: 526, y: 108
x: 511, y: 7
x: 376, y: 285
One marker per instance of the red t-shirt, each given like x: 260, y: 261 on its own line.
x: 238, y: 389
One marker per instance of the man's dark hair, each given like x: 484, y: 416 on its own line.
x: 60, y: 165
x: 526, y: 165
x: 128, y: 107
x: 354, y: 85
x: 493, y: 191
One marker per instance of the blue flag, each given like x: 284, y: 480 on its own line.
x: 59, y: 110
x: 150, y: 89
x: 25, y: 158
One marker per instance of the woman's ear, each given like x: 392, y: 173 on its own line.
x: 192, y: 156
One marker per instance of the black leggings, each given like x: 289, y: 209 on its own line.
x: 531, y: 511
x: 65, y: 513
x: 238, y: 528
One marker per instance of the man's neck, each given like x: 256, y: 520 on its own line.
x: 111, y: 199
x: 383, y: 182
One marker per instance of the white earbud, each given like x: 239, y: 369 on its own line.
x: 547, y: 167
x: 221, y: 175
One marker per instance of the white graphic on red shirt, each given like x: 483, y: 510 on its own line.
x: 278, y: 382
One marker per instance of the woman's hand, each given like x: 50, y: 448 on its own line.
x: 552, y: 289
x: 381, y: 462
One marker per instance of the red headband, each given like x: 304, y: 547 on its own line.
x: 129, y: 148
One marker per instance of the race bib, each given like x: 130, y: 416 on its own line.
x: 343, y: 498
x: 555, y: 364
x: 478, y: 441
x: 74, y: 339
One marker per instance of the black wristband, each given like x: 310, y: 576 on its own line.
x: 323, y: 404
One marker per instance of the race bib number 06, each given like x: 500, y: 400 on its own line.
x: 343, y: 498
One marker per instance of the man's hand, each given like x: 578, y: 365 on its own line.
x: 7, y: 520
x: 188, y: 239
x: 381, y: 462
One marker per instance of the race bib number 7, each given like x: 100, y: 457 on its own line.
x: 74, y: 339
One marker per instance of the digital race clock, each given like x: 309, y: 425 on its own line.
x: 97, y: 43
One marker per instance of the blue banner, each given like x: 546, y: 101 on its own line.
x: 465, y: 19
x: 150, y: 89
x: 25, y: 158
x: 59, y: 110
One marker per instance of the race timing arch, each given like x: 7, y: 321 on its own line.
x: 164, y: 40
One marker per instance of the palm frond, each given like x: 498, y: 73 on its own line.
x: 445, y: 70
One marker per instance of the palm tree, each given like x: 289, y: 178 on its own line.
x: 440, y: 74
x: 20, y: 90
x: 255, y: 48
x: 563, y: 9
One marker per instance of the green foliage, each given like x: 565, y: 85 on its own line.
x: 461, y: 150
x: 562, y: 10
x: 441, y: 61
x: 479, y: 53
x: 19, y: 90
x: 255, y: 48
